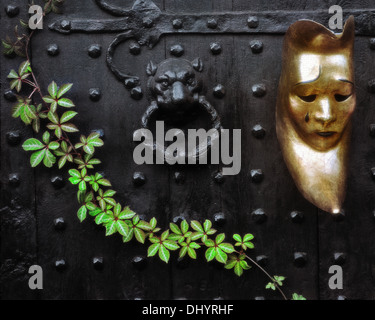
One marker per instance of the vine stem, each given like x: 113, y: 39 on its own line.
x: 265, y: 272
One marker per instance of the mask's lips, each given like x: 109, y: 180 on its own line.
x: 326, y: 134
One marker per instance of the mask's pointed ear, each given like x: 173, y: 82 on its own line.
x: 347, y: 36
x: 197, y: 64
x: 151, y: 69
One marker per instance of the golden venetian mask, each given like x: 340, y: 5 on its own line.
x: 316, y: 99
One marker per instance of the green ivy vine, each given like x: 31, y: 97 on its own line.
x: 51, y: 115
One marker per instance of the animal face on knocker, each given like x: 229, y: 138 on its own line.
x: 175, y: 84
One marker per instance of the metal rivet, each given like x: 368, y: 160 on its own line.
x: 95, y: 94
x: 220, y: 219
x: 259, y: 215
x: 60, y: 265
x: 139, y: 179
x: 177, y: 50
x: 212, y: 23
x: 252, y: 22
x: 215, y: 48
x: 256, y: 46
x: 219, y: 91
x: 341, y: 298
x: 65, y: 25
x: 147, y: 22
x: 98, y: 263
x: 257, y: 175
x: 339, y: 258
x: 59, y: 224
x: 139, y: 262
x: 177, y: 23
x: 219, y: 177
x: 300, y: 259
x: 179, y: 177
x: 10, y: 95
x: 218, y: 298
x: 178, y: 219
x: 371, y: 86
x: 258, y: 131
x: 53, y: 50
x: 100, y: 131
x: 14, y: 179
x: 13, y: 137
x: 297, y: 216
x: 134, y: 48
x: 373, y: 214
x: 372, y: 130
x: 12, y: 10
x: 260, y: 298
x: 259, y: 90
x: 372, y: 43
x: 338, y: 217
x: 262, y: 260
x: 95, y: 51
x: 136, y: 93
x: 57, y: 182
x: 131, y: 83
x: 373, y: 173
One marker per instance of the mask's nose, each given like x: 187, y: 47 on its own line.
x: 178, y: 93
x: 324, y: 113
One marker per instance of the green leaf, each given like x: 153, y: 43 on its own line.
x: 144, y: 225
x: 297, y: 296
x: 37, y: 157
x: 183, y: 252
x: 210, y: 254
x: 126, y: 214
x: 48, y: 99
x: 110, y: 228
x: 66, y: 103
x: 191, y: 252
x: 238, y: 270
x: 153, y: 249
x: 53, y: 117
x: 52, y: 89
x: 171, y: 245
x: 248, y: 237
x: 184, y: 226
x: 53, y: 145
x: 164, y: 235
x: 220, y: 238
x: 196, y: 226
x: 230, y: 264
x: 207, y: 225
x: 221, y: 256
x: 139, y: 235
x: 74, y: 173
x: 174, y: 228
x: 64, y: 89
x: 82, y: 185
x: 105, y: 182
x: 226, y: 247
x: 13, y: 74
x: 49, y: 159
x: 82, y: 212
x: 129, y: 237
x: 69, y: 127
x: 122, y: 227
x: 164, y: 254
x: 109, y: 193
x: 23, y: 67
x: 32, y: 144
x: 237, y: 237
x: 67, y: 116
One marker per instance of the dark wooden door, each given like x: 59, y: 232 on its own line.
x: 292, y: 237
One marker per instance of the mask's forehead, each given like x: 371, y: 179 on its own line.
x: 309, y: 67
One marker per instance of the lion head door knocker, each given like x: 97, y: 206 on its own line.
x: 175, y: 89
x: 316, y: 99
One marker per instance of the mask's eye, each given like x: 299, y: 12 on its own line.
x: 309, y: 98
x: 341, y: 98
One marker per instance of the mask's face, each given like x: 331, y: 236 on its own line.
x: 321, y: 97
